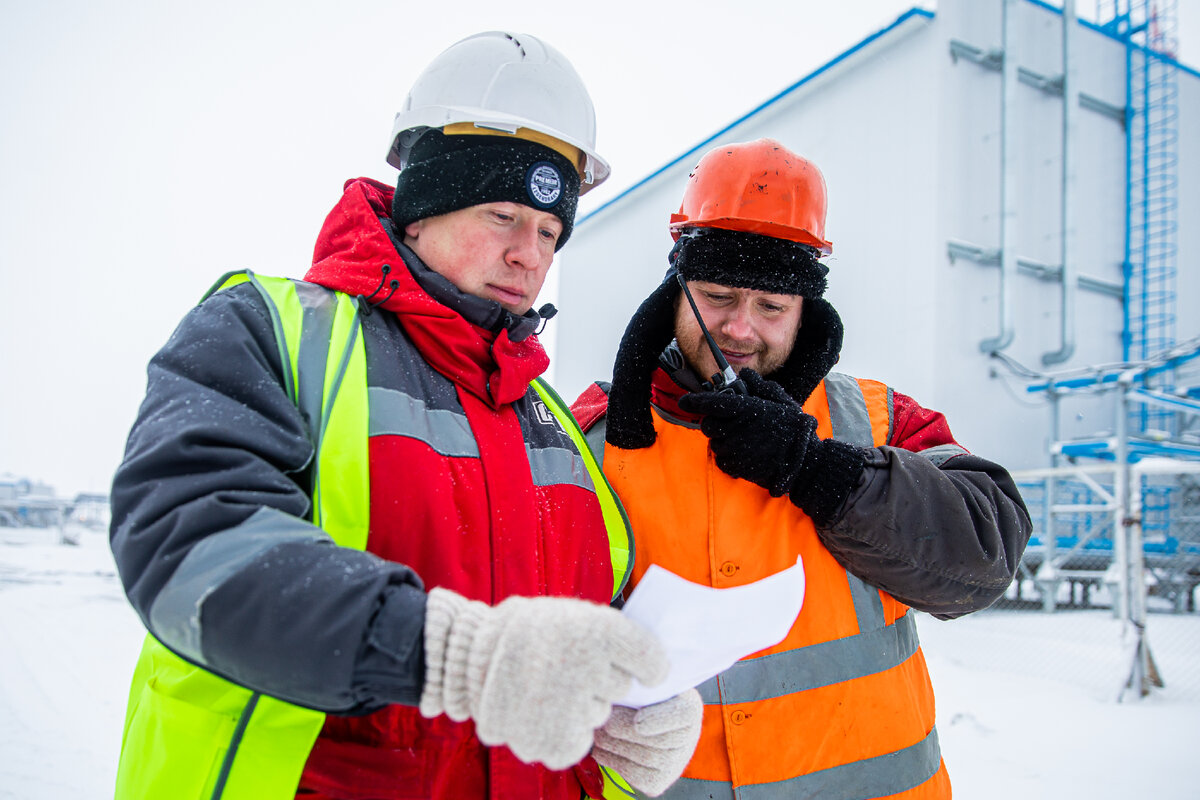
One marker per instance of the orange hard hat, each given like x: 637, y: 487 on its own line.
x: 756, y: 187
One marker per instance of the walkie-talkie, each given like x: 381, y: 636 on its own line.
x: 725, y: 381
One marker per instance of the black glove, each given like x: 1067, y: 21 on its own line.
x: 765, y: 437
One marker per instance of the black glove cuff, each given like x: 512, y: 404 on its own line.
x: 830, y: 472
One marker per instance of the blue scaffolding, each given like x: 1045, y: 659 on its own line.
x: 1148, y: 29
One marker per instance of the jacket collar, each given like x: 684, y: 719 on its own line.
x: 492, y: 356
x: 479, y: 311
x: 672, y: 380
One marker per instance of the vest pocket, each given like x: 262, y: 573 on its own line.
x: 163, y: 726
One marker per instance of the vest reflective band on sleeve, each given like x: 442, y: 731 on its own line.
x: 942, y: 453
x: 620, y: 538
x: 177, y: 610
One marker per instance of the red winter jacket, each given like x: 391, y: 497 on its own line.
x: 477, y: 525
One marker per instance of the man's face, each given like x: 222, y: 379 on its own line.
x: 753, y: 329
x: 498, y: 251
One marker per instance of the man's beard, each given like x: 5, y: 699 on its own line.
x: 700, y: 358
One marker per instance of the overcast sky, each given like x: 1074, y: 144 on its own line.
x: 149, y: 146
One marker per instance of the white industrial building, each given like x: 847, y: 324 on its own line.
x: 1009, y: 195
x: 909, y: 127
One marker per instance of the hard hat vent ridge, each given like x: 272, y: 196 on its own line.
x: 506, y: 84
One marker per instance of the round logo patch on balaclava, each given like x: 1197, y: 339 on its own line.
x: 544, y: 184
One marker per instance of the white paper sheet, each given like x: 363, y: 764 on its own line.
x: 705, y: 630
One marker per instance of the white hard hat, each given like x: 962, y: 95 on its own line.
x: 508, y: 83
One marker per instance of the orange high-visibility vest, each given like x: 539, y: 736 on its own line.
x: 843, y: 707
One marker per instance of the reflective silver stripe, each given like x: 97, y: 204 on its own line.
x: 595, y: 439
x: 674, y: 420
x: 868, y: 605
x: 688, y: 788
x: 175, y: 615
x: 316, y: 330
x: 557, y: 465
x: 942, y: 453
x: 880, y: 776
x: 847, y: 410
x: 394, y: 413
x: 710, y: 690
x: 852, y: 423
x: 812, y: 667
x: 891, y: 411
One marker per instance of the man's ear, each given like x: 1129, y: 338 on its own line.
x: 413, y: 229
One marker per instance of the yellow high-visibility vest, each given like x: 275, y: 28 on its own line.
x: 192, y: 734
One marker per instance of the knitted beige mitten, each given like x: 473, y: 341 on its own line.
x: 649, y: 747
x: 538, y: 674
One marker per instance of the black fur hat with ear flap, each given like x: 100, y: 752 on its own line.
x: 817, y: 350
x: 749, y: 261
x: 650, y: 330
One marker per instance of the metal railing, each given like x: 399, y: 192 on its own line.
x: 1134, y: 539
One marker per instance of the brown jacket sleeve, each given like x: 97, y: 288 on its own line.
x: 936, y: 527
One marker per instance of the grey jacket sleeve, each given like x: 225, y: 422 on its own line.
x: 942, y: 537
x: 210, y: 536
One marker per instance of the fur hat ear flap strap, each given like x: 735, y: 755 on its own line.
x: 630, y: 425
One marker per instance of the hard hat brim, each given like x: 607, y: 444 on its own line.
x: 593, y: 172
x: 680, y: 222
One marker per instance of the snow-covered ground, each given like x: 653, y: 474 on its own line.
x: 1026, y: 701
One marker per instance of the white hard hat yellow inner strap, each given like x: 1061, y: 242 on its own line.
x: 571, y: 153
